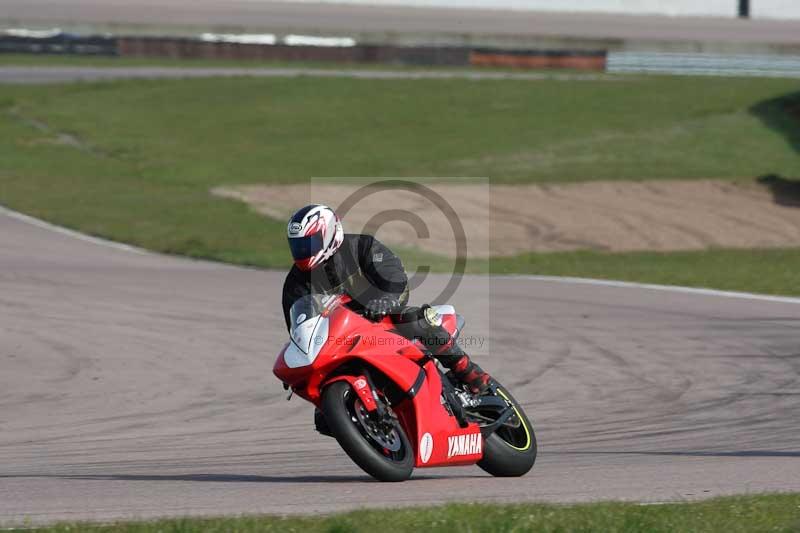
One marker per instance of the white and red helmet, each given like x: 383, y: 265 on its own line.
x: 315, y: 233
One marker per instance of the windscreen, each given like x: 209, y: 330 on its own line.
x: 306, y: 308
x: 307, y: 321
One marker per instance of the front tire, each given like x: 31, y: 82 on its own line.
x: 340, y: 407
x: 510, y: 451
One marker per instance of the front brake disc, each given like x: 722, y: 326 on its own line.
x: 389, y: 440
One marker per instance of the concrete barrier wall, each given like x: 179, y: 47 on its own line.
x: 388, y: 54
x: 788, y: 9
x: 775, y: 8
x: 177, y: 48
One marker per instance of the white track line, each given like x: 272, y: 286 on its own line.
x: 70, y: 233
x: 654, y: 287
x: 548, y: 279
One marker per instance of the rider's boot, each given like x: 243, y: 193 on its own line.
x: 464, y: 369
x: 471, y: 374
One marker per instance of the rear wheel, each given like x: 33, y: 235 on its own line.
x: 382, y: 450
x: 511, y: 450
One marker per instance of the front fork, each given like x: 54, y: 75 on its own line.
x: 364, y: 387
x: 460, y: 400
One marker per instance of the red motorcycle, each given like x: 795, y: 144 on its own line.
x: 388, y: 402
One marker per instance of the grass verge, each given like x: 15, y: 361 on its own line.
x: 235, y: 131
x: 777, y: 513
x: 134, y: 161
x: 759, y: 271
x: 765, y: 271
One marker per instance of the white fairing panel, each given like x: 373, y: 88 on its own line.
x: 308, y: 338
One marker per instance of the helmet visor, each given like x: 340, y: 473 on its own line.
x: 305, y: 247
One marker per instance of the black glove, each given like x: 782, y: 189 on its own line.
x: 380, y: 307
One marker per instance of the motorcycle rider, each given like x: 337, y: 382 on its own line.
x: 329, y: 261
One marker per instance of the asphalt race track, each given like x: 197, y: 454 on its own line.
x: 138, y: 385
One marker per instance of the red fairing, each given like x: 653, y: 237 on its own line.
x: 351, y: 337
x: 435, y: 435
x: 450, y: 323
x: 437, y: 432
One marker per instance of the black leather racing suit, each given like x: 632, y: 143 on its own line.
x: 365, y: 269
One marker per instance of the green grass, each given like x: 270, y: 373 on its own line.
x: 759, y: 271
x: 141, y: 156
x: 766, y: 271
x: 775, y: 513
x: 211, y: 131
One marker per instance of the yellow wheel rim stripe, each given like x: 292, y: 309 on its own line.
x: 521, y: 421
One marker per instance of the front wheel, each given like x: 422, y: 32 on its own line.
x: 381, y: 451
x: 511, y: 450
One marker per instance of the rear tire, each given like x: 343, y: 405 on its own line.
x: 338, y: 404
x: 507, y: 452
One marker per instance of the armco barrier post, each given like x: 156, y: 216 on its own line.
x: 744, y: 9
